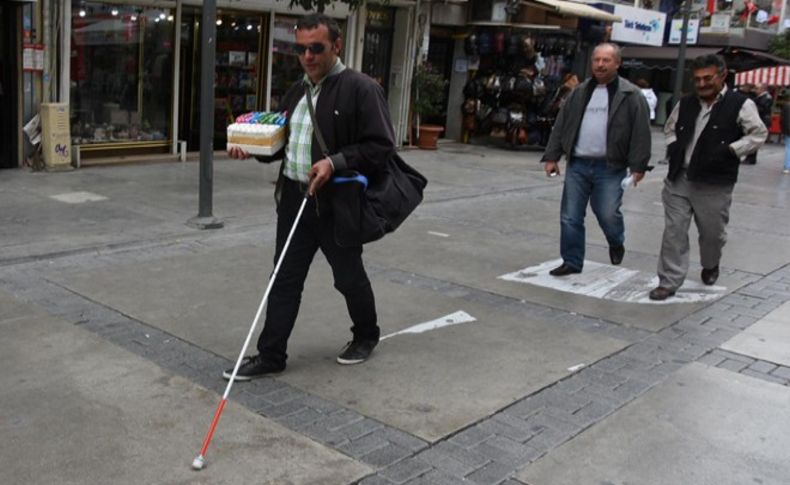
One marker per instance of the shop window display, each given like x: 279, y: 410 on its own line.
x: 121, y: 72
x: 237, y: 69
x: 512, y: 93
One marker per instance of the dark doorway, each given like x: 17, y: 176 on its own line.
x: 378, y: 45
x: 440, y: 57
x: 9, y: 85
x: 239, y: 72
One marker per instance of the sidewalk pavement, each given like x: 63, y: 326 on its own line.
x: 117, y: 320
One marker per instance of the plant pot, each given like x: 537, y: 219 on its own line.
x: 429, y: 134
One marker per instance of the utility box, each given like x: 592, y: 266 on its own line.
x: 55, y: 136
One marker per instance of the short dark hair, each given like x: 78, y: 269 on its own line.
x: 642, y: 83
x: 709, y: 60
x: 313, y: 20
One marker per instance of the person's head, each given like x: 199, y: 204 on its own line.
x: 708, y: 73
x: 642, y: 83
x: 318, y: 43
x: 760, y: 89
x: 606, y: 59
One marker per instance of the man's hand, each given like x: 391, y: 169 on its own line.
x: 552, y: 168
x: 237, y: 153
x: 319, y: 174
x: 638, y: 176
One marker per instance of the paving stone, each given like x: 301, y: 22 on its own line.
x: 375, y: 480
x: 437, y: 477
x: 515, y: 428
x: 781, y: 371
x: 491, y: 474
x: 442, y: 461
x: 733, y: 356
x: 763, y: 366
x: 712, y: 359
x: 401, y: 439
x: 765, y: 377
x: 360, y: 428
x: 471, y: 437
x: 406, y: 470
x: 733, y: 365
x: 386, y: 456
x: 363, y: 446
x: 301, y: 419
x: 469, y: 458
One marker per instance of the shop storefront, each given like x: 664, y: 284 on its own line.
x: 135, y: 73
x: 121, y: 76
x: 520, y: 65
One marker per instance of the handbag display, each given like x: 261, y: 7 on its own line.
x: 366, y: 207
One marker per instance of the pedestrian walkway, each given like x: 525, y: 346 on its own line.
x: 117, y: 319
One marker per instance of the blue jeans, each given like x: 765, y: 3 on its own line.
x: 588, y: 180
x: 787, y: 152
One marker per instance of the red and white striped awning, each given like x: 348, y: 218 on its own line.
x: 772, y: 76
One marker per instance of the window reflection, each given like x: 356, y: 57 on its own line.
x: 121, y: 73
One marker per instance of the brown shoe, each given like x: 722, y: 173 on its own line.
x: 660, y: 293
x: 709, y: 276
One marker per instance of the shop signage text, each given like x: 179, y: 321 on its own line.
x: 676, y: 31
x: 639, y: 26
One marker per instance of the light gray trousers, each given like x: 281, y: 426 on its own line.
x: 709, y: 205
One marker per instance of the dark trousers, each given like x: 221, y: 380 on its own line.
x: 314, y: 231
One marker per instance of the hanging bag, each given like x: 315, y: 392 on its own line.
x: 366, y: 208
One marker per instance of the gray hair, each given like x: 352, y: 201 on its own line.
x: 710, y: 60
x: 616, y: 50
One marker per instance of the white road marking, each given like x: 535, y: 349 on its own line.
x: 456, y: 318
x: 78, y: 197
x: 576, y: 367
x: 440, y: 234
x: 612, y: 283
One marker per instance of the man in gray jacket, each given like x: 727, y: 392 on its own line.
x: 603, y: 130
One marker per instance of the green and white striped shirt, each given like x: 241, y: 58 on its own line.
x: 298, y: 153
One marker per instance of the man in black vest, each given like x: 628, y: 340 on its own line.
x: 707, y: 136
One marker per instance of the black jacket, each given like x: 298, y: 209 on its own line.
x: 712, y: 160
x: 354, y: 119
x: 786, y: 119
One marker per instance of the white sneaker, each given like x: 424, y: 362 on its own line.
x: 785, y: 171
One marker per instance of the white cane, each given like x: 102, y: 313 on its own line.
x: 198, y: 462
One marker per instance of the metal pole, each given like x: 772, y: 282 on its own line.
x: 681, y: 68
x: 208, y: 47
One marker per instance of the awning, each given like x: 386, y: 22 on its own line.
x: 573, y: 9
x: 772, y: 76
x: 739, y: 59
x: 652, y: 52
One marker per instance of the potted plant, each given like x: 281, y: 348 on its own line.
x: 427, y: 100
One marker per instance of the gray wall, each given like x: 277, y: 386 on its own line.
x: 456, y: 96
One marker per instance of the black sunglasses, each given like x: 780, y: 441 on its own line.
x: 316, y: 48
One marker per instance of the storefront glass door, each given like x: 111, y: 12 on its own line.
x: 238, y: 75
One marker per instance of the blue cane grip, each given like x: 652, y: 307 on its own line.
x: 359, y: 178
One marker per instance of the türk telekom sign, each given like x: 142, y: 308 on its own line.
x: 639, y: 26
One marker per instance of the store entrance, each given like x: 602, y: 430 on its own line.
x: 377, y: 53
x: 9, y: 86
x: 238, y: 72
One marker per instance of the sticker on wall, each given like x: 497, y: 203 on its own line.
x: 612, y: 283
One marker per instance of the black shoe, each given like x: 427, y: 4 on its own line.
x: 564, y: 270
x: 254, y: 367
x: 616, y: 254
x: 356, y: 352
x: 660, y: 293
x: 709, y: 276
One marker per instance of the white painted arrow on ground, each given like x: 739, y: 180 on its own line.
x: 445, y: 321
